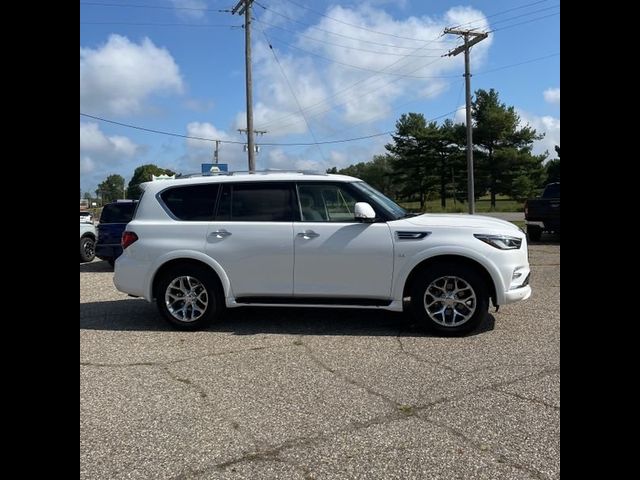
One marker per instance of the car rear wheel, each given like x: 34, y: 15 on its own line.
x: 189, y: 297
x: 449, y: 299
x: 87, y: 249
x: 534, y: 233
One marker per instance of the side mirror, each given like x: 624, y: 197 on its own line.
x: 364, y: 212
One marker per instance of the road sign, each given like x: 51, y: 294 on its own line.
x: 209, y: 168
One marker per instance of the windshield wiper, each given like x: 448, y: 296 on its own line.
x: 409, y: 214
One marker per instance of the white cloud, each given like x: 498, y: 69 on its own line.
x: 102, y: 155
x: 87, y: 165
x: 94, y: 142
x: 190, y: 9
x: 199, y: 151
x: 548, y: 125
x: 552, y: 95
x: 199, y: 105
x: 120, y: 75
x: 332, y: 94
x: 461, y: 115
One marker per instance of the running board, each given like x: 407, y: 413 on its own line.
x: 364, y: 302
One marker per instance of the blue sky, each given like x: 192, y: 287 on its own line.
x: 338, y: 70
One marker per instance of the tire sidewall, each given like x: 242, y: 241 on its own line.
x: 534, y: 233
x: 469, y: 275
x: 204, y: 276
x: 83, y: 255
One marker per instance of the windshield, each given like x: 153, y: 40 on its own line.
x: 384, y: 202
x: 117, y: 212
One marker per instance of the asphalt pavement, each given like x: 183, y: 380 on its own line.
x: 319, y: 394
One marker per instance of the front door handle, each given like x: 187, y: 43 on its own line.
x: 220, y: 233
x: 307, y: 234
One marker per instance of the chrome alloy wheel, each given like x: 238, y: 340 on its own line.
x: 186, y: 299
x: 450, y: 301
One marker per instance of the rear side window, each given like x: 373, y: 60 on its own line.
x: 118, y: 212
x: 256, y: 202
x: 191, y: 203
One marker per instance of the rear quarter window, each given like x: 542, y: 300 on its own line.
x: 191, y: 203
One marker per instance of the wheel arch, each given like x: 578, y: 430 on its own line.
x: 449, y: 258
x: 216, y: 270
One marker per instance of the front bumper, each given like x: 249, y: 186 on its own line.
x: 513, y: 296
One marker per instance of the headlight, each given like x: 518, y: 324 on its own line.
x: 503, y: 242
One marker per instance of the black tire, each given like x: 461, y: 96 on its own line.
x: 442, y: 275
x: 87, y: 249
x: 206, y: 303
x: 112, y: 262
x: 534, y: 232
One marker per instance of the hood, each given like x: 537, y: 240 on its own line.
x: 461, y: 220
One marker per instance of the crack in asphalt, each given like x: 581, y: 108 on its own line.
x: 483, y: 450
x: 273, y: 451
x: 529, y: 399
x: 424, y: 360
x: 347, y: 379
x: 173, y: 362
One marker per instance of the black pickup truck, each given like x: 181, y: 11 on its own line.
x: 543, y: 214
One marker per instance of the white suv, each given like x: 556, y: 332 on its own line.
x: 198, y: 244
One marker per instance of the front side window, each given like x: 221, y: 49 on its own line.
x: 376, y: 198
x: 256, y: 202
x: 326, y: 202
x: 192, y: 203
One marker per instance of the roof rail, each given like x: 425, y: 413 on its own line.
x: 247, y: 172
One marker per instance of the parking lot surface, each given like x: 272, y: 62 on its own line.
x: 319, y: 393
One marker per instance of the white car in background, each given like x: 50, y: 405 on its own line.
x: 199, y: 244
x: 88, y: 236
x: 86, y: 217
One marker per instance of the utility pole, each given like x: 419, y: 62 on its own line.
x: 244, y: 6
x: 215, y: 152
x: 478, y: 37
x: 256, y: 132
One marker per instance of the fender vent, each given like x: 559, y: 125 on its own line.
x: 411, y: 235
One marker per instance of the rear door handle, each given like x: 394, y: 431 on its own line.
x: 220, y: 233
x: 307, y: 234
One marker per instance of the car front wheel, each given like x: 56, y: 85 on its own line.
x: 189, y: 297
x: 450, y: 299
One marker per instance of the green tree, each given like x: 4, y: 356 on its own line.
x: 143, y: 174
x: 504, y: 149
x: 413, y: 165
x: 111, y: 188
x: 553, y: 168
x: 376, y: 173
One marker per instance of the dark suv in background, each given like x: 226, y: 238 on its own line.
x: 113, y: 220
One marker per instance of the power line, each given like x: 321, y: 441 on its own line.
x: 136, y: 24
x: 357, y: 67
x: 338, y: 34
x: 438, y: 91
x: 272, y: 144
x: 294, y: 95
x: 155, y: 7
x: 526, y: 14
x: 377, y: 52
x: 522, y: 23
x: 502, y: 12
x: 325, y: 100
x: 347, y: 23
x: 161, y: 132
x: 517, y: 64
